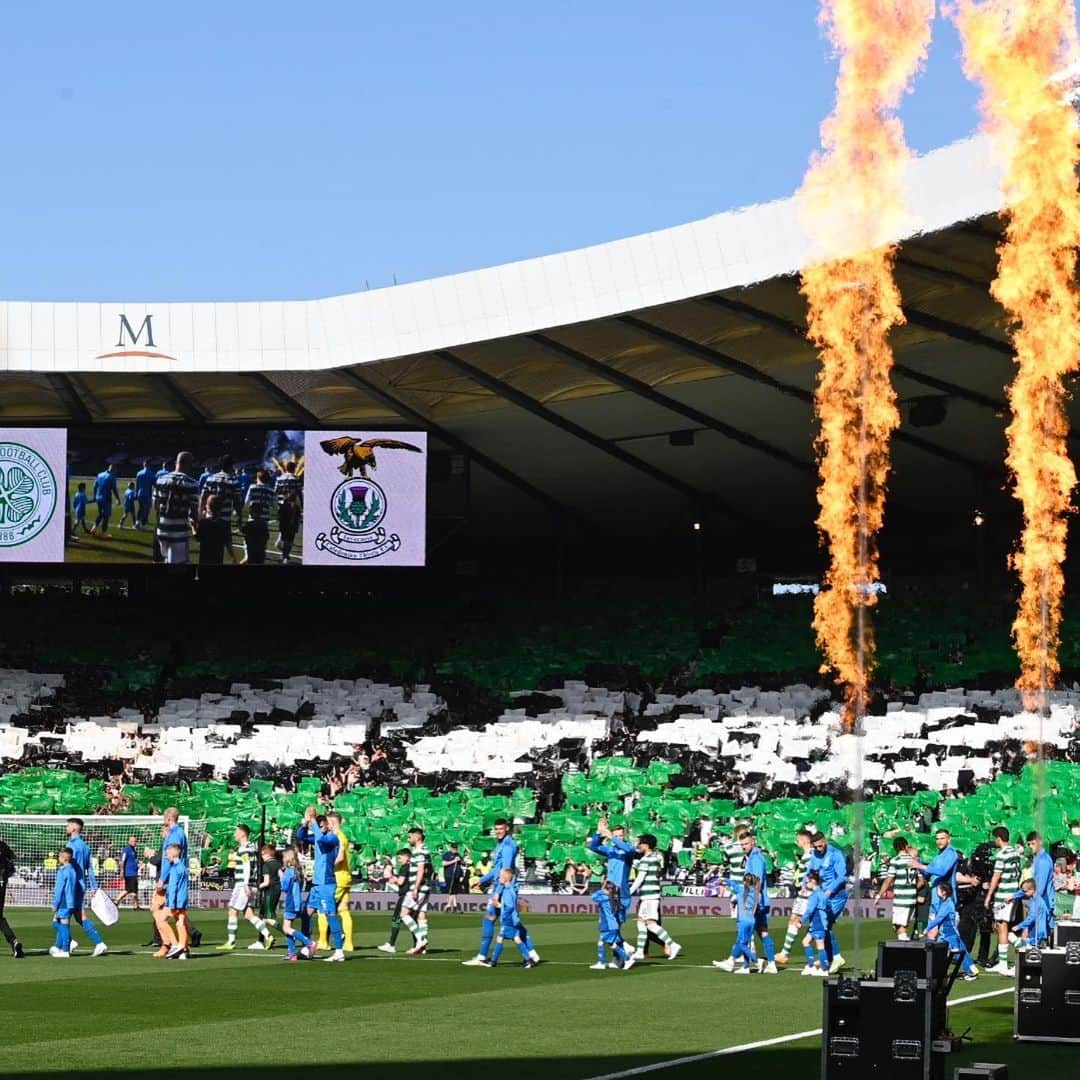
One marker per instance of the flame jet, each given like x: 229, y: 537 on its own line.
x: 1012, y: 50
x: 853, y: 207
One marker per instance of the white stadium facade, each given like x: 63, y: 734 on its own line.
x: 644, y: 384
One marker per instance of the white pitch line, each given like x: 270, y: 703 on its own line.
x: 727, y: 1051
x: 675, y: 1062
x: 981, y: 997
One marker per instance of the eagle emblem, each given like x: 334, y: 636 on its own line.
x: 359, y: 456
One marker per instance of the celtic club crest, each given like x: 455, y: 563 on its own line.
x: 28, y: 494
x: 358, y: 507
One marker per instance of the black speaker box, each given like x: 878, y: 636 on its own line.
x: 979, y: 1070
x: 1047, y: 1007
x: 882, y: 1028
x: 1065, y: 932
x: 928, y: 959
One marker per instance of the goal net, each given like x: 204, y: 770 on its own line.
x: 36, y: 839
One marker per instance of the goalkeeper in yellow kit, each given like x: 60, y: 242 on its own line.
x: 342, y: 884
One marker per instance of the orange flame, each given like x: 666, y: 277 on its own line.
x: 1013, y: 48
x: 853, y: 205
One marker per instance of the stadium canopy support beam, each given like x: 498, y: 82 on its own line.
x: 509, y: 393
x: 956, y: 331
x: 940, y: 273
x: 557, y: 509
x: 643, y: 389
x: 714, y: 356
x: 292, y: 407
x: 748, y: 371
x: 65, y: 390
x: 176, y: 397
x: 916, y: 318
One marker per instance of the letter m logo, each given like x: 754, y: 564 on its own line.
x: 133, y: 336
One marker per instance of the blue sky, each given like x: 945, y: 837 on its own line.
x: 281, y: 150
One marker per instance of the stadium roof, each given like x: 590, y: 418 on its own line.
x: 565, y: 376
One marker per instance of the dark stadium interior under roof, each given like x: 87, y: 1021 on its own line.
x: 592, y: 419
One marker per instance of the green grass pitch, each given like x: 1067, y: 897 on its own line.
x: 250, y: 1014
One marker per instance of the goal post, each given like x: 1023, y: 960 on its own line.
x: 36, y: 839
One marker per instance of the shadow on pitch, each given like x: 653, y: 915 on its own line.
x: 565, y: 1068
x: 1048, y: 1060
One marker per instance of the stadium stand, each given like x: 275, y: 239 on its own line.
x: 645, y: 798
x: 21, y: 689
x: 930, y: 635
x: 460, y: 710
x: 781, y: 737
x: 676, y: 764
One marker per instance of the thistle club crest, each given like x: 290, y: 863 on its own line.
x: 362, y: 520
x: 358, y: 508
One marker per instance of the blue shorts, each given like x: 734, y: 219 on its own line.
x: 512, y: 930
x: 321, y: 899
x: 817, y: 927
x: 63, y: 913
x: 951, y: 937
x: 611, y: 937
x: 836, y: 905
x: 290, y: 915
x: 177, y: 899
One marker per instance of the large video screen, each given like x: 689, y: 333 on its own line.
x: 212, y: 496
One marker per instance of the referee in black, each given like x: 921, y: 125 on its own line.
x: 7, y: 868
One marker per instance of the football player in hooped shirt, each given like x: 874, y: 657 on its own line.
x: 505, y: 858
x: 619, y: 852
x: 650, y: 868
